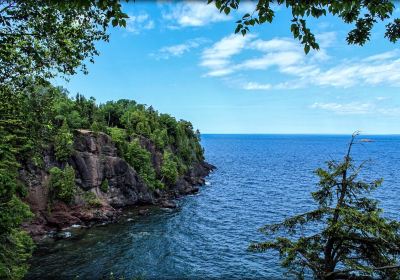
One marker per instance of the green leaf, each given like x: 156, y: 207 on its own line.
x: 238, y: 28
x: 227, y: 10
x: 306, y: 48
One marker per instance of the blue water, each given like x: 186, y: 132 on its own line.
x: 260, y: 179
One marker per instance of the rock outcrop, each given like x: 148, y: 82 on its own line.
x: 95, y: 161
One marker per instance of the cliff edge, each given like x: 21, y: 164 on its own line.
x: 104, y: 184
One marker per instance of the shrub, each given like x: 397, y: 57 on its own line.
x: 160, y: 138
x: 169, y: 168
x: 97, y: 127
x: 62, y: 183
x: 104, y: 186
x: 118, y: 136
x: 63, y: 143
x: 140, y: 159
x: 91, y: 199
x: 16, y: 249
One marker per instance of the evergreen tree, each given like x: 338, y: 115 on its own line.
x: 347, y: 239
x: 15, y: 244
x: 62, y: 183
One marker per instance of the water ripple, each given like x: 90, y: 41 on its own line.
x: 259, y: 180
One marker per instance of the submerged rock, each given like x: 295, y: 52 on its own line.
x: 143, y: 212
x: 168, y: 204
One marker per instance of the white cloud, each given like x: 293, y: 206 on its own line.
x: 283, y: 53
x: 217, y: 58
x: 276, y: 44
x: 268, y: 86
x: 231, y: 54
x: 380, y: 98
x: 256, y: 86
x: 382, y: 56
x: 137, y: 23
x: 184, y: 14
x: 357, y: 108
x: 345, y: 109
x: 281, y: 59
x: 199, y: 13
x: 178, y: 50
x: 326, y: 39
x: 247, y: 7
x: 374, y: 70
x: 219, y: 72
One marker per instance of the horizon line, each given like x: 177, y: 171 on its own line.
x: 305, y: 133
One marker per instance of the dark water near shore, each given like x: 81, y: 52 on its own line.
x: 260, y: 179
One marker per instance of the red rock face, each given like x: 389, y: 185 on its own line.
x: 94, y: 160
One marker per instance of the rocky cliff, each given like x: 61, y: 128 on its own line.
x: 96, y: 162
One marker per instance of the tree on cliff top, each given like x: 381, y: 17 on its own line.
x: 40, y: 39
x: 364, y: 13
x: 63, y: 142
x: 347, y: 238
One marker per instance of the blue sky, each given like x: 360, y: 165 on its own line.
x: 184, y: 59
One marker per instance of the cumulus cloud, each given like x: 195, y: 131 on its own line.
x: 135, y: 24
x: 178, y: 49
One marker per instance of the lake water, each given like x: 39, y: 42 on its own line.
x: 260, y: 179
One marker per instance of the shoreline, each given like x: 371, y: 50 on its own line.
x: 65, y: 217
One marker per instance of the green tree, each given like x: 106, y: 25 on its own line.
x: 15, y: 244
x: 143, y: 128
x: 364, y: 13
x: 62, y: 183
x: 119, y: 137
x: 347, y: 237
x: 169, y: 168
x: 16, y: 247
x: 160, y: 138
x: 113, y: 111
x: 140, y: 159
x: 86, y: 109
x: 40, y: 115
x: 63, y: 143
x: 40, y: 39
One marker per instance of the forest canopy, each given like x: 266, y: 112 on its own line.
x: 42, y: 117
x: 39, y: 41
